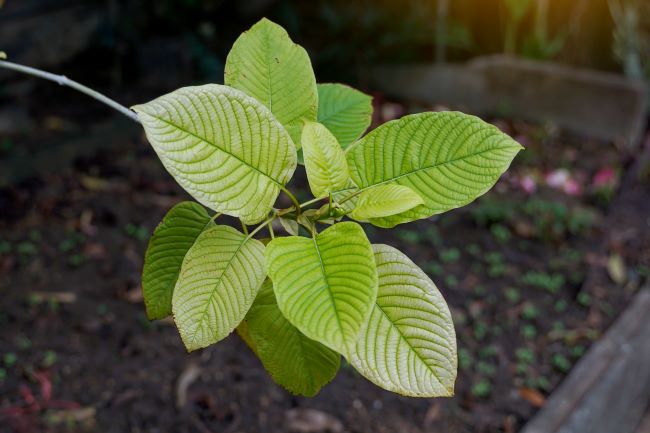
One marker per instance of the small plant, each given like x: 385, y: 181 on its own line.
x: 301, y: 301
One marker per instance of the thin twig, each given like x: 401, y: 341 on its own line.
x: 62, y: 80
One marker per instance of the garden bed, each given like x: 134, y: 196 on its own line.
x: 534, y: 272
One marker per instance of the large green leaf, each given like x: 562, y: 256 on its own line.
x: 294, y: 361
x: 225, y: 148
x: 266, y: 64
x: 408, y: 345
x: 167, y: 248
x: 325, y: 286
x: 448, y: 158
x: 219, y: 279
x: 327, y: 169
x: 345, y: 111
x: 385, y: 200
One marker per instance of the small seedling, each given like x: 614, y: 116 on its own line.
x: 49, y: 358
x: 409, y: 236
x: 5, y: 247
x: 473, y: 250
x: 486, y: 368
x: 584, y: 299
x: 136, y: 231
x: 561, y: 362
x: 529, y: 312
x: 525, y: 355
x: 552, y: 283
x: 512, y: 295
x: 450, y: 255
x: 465, y: 359
x: 501, y: 233
x: 529, y: 331
x: 300, y: 302
x: 435, y: 269
x: 560, y: 305
x: 482, y: 389
x: 9, y: 359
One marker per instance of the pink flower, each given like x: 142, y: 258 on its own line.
x: 571, y: 187
x: 528, y: 184
x: 605, y: 177
x: 557, y: 178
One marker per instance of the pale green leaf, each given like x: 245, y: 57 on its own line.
x: 245, y: 335
x: 225, y: 148
x: 327, y: 169
x: 167, y: 248
x: 294, y: 361
x: 266, y: 64
x: 291, y: 226
x: 3, y: 55
x: 325, y: 286
x: 448, y: 158
x: 385, y: 200
x: 219, y: 279
x: 345, y: 111
x: 408, y: 345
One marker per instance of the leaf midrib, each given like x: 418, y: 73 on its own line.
x: 277, y: 182
x: 441, y: 164
x: 333, y: 114
x: 214, y: 291
x: 329, y: 291
x: 408, y: 343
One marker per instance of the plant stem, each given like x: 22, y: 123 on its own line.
x: 307, y: 203
x: 65, y: 81
x: 244, y: 227
x: 261, y: 226
x: 293, y: 198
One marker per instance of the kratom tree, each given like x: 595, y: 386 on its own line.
x: 302, y: 300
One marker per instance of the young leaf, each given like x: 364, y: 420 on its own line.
x: 219, y: 279
x: 448, y: 158
x: 291, y: 226
x: 385, y: 200
x: 325, y: 286
x: 325, y: 162
x: 408, y: 345
x: 294, y: 361
x: 345, y: 111
x: 225, y: 148
x: 167, y: 248
x: 3, y: 55
x: 266, y: 64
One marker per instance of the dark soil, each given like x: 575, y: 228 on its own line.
x: 532, y: 278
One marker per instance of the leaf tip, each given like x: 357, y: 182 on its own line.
x: 3, y: 55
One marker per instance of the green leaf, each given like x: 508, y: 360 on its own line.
x: 408, y: 345
x: 294, y: 361
x: 3, y: 55
x: 325, y: 162
x: 266, y: 64
x: 219, y: 279
x: 345, y: 111
x: 385, y: 200
x: 167, y: 248
x: 225, y: 148
x: 325, y: 286
x: 447, y: 158
x: 290, y: 226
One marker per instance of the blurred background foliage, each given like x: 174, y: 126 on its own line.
x: 343, y: 36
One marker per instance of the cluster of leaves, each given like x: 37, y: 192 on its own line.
x: 301, y: 301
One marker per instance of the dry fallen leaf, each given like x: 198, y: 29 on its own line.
x: 616, y: 269
x: 532, y: 396
x: 301, y: 420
